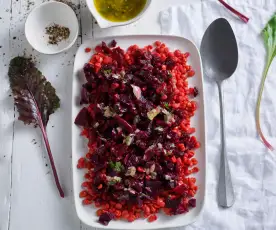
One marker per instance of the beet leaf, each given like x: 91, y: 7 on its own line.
x: 35, y: 99
x: 269, y: 36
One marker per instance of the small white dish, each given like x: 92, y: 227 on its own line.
x: 104, y: 23
x: 45, y: 15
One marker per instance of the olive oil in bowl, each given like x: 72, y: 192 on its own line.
x: 119, y: 10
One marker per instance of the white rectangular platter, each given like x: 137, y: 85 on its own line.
x: 87, y: 214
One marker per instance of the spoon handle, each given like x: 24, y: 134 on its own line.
x: 226, y: 196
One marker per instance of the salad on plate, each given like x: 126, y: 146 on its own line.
x: 138, y: 107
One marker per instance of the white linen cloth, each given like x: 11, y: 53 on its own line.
x: 253, y: 167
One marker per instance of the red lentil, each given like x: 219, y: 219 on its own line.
x: 99, y: 212
x: 152, y: 218
x: 118, y: 213
x: 83, y: 194
x: 118, y: 206
x: 86, y: 202
x: 87, y: 50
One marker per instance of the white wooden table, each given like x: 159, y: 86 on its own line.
x: 28, y: 197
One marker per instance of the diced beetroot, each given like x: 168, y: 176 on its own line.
x: 192, y: 203
x: 106, y: 217
x: 124, y: 123
x: 112, y: 44
x: 83, y: 118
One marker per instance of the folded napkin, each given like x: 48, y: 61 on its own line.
x: 253, y: 167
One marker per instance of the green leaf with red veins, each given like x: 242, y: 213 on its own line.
x: 35, y: 99
x: 269, y: 35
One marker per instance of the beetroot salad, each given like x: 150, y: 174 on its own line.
x: 137, y: 120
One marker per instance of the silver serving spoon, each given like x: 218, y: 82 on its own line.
x: 219, y: 52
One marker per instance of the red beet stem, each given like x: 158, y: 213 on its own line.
x: 240, y: 15
x: 45, y: 137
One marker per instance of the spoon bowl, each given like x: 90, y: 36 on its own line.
x: 219, y: 50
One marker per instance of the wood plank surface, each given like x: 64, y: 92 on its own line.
x: 29, y: 199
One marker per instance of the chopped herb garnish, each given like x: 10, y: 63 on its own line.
x: 166, y: 105
x: 108, y: 112
x: 131, y: 171
x: 112, y: 165
x: 153, y: 113
x: 107, y: 71
x: 117, y: 166
x: 113, y: 180
x: 129, y: 139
